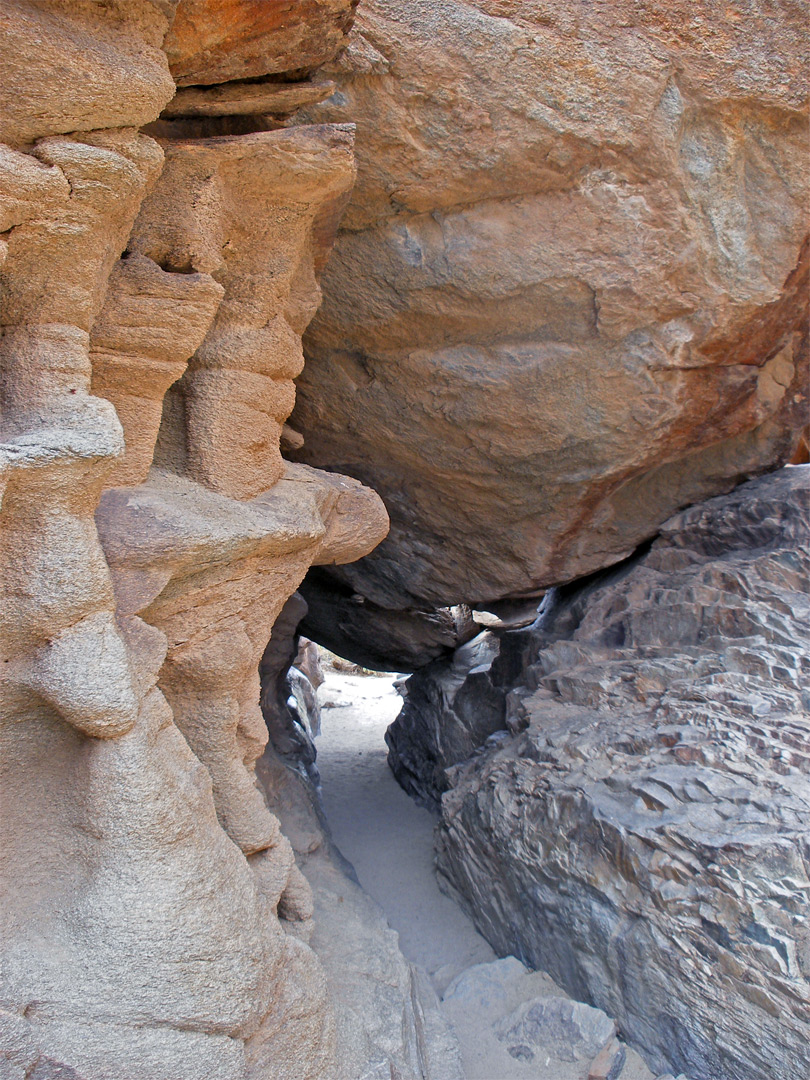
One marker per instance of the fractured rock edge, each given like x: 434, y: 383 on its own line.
x: 638, y: 827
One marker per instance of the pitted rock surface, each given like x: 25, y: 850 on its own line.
x: 568, y: 301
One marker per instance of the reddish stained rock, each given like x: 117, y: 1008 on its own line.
x: 215, y: 41
x: 567, y: 297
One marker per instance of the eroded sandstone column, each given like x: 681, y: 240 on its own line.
x: 251, y: 210
x: 138, y: 941
x: 208, y: 549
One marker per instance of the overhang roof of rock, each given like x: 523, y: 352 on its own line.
x: 217, y: 41
x: 569, y: 295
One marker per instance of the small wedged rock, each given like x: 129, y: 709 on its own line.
x: 609, y: 1062
x: 247, y: 98
x: 640, y: 829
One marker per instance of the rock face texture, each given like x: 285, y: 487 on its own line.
x: 567, y: 299
x: 346, y: 622
x: 258, y: 210
x: 153, y: 299
x: 535, y: 1032
x: 639, y: 829
x: 219, y: 41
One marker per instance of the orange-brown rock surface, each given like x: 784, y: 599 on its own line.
x: 569, y: 296
x: 217, y: 41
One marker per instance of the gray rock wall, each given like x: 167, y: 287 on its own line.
x: 640, y: 829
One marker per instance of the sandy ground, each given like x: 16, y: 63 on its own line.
x: 389, y: 841
x: 383, y: 833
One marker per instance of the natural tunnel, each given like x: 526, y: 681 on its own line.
x: 468, y: 339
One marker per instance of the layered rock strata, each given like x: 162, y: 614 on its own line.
x: 639, y: 828
x: 569, y: 297
x: 149, y: 537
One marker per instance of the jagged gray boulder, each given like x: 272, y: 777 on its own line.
x: 641, y: 829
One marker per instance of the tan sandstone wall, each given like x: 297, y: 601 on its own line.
x: 153, y: 297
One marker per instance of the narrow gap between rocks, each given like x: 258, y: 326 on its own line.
x: 381, y: 830
x: 388, y: 839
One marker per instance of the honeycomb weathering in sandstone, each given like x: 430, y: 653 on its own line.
x: 569, y: 296
x: 143, y: 875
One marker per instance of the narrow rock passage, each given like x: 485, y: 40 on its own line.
x: 389, y: 841
x: 383, y: 833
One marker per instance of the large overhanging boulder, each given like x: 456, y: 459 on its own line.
x: 216, y: 41
x: 569, y: 294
